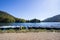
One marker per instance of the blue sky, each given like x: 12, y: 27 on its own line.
x: 29, y: 9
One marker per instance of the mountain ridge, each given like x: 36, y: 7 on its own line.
x: 55, y: 18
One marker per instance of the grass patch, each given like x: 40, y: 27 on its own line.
x: 24, y: 30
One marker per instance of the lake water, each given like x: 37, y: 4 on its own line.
x: 41, y: 24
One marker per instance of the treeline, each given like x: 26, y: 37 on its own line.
x: 7, y: 18
x: 26, y: 21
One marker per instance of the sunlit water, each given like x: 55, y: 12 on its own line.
x: 42, y: 24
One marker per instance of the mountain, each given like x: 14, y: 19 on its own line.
x: 6, y: 18
x: 53, y: 19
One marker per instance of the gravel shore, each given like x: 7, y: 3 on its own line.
x: 30, y: 36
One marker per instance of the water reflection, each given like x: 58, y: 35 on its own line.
x: 42, y: 24
x: 5, y: 24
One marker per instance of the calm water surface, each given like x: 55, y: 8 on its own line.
x: 42, y: 24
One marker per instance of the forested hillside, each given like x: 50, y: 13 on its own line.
x: 7, y: 18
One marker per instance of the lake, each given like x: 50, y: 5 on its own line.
x: 41, y: 24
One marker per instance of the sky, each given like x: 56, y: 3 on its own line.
x: 30, y: 9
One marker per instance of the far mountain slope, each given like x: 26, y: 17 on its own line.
x: 53, y: 19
